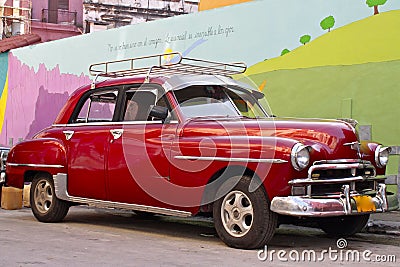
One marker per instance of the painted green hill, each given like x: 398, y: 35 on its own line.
x: 374, y: 39
x: 350, y: 72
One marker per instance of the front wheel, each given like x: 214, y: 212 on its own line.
x: 46, y: 207
x: 243, y: 219
x: 344, y: 226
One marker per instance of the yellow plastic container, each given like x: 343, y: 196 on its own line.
x: 11, y: 198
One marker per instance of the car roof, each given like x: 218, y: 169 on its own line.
x: 176, y: 82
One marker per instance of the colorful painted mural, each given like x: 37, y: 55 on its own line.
x: 211, y: 4
x: 3, y: 86
x: 34, y: 98
x: 321, y: 58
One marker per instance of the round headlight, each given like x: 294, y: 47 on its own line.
x: 382, y: 156
x: 300, y: 156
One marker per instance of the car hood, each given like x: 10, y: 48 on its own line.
x: 328, y: 134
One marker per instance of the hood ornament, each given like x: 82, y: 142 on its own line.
x: 355, y: 146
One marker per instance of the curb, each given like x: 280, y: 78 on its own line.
x: 383, y: 227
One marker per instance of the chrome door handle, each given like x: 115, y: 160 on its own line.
x: 116, y: 133
x: 68, y: 134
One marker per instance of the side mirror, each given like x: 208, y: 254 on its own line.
x: 159, y: 112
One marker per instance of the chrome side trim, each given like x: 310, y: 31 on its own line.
x: 33, y: 165
x: 231, y: 159
x: 113, y: 123
x: 61, y: 190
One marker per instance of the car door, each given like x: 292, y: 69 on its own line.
x: 139, y: 156
x: 87, y: 138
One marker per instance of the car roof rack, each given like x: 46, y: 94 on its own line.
x: 164, y: 64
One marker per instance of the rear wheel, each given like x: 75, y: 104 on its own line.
x: 46, y: 207
x: 243, y: 219
x: 344, y: 226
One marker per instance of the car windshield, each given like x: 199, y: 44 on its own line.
x: 215, y: 100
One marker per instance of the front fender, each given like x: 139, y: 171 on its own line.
x: 33, y: 156
x: 367, y: 150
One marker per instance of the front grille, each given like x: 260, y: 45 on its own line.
x: 328, y: 177
x: 326, y: 189
x: 341, y: 173
x: 329, y: 189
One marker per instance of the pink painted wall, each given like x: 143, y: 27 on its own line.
x: 31, y: 108
x: 77, y: 5
x: 50, y: 32
x: 37, y: 6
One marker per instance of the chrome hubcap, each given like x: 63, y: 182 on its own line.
x: 237, y: 213
x: 43, y: 196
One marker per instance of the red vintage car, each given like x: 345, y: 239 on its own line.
x: 182, y: 138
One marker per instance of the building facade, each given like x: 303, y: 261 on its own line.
x: 106, y: 14
x: 50, y: 19
x: 57, y: 19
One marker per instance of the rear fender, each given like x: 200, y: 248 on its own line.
x: 28, y: 158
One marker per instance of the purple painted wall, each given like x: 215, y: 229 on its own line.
x: 31, y: 108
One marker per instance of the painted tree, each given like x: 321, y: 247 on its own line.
x: 375, y: 4
x: 305, y: 39
x: 285, y: 51
x: 327, y: 23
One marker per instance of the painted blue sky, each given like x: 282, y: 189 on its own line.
x: 259, y: 30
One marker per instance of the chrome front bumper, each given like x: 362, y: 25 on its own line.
x: 337, y: 205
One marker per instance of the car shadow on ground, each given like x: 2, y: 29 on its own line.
x: 199, y: 228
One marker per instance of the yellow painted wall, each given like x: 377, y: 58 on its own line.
x: 210, y: 4
x: 3, y: 102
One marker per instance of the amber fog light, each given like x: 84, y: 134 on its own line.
x: 298, y: 191
x: 382, y: 156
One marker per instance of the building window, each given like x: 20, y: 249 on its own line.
x: 63, y: 4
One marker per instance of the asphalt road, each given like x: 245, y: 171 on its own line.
x: 93, y: 237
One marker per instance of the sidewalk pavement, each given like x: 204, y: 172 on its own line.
x: 384, y: 223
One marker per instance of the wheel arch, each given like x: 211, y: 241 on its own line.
x: 31, y: 174
x: 221, y: 176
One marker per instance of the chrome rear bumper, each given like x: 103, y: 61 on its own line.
x: 337, y: 205
x: 2, y: 177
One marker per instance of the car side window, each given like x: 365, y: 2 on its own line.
x: 98, y: 107
x: 138, y: 105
